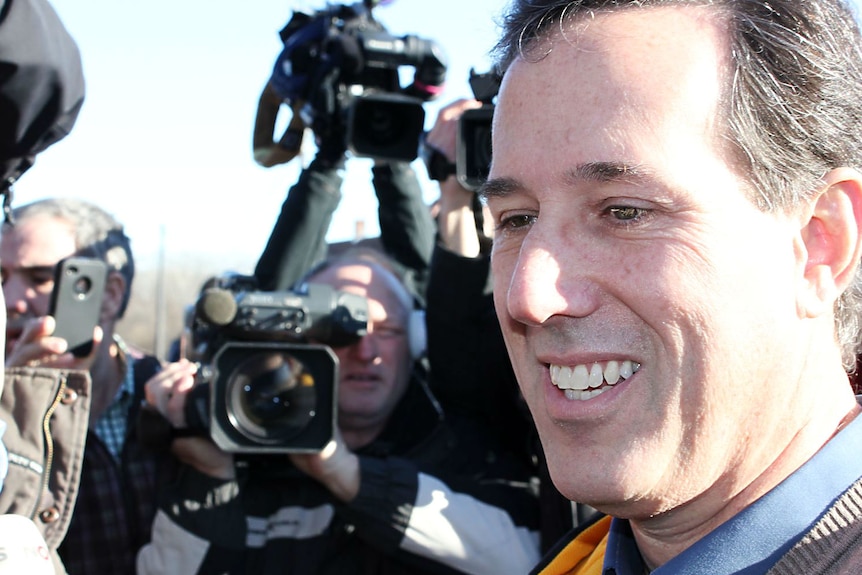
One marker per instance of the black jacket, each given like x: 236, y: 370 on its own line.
x: 437, y: 495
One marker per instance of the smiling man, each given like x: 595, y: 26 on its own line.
x: 678, y: 215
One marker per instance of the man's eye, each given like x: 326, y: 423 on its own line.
x: 626, y: 213
x: 388, y: 332
x: 519, y: 221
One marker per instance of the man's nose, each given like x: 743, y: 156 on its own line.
x: 17, y: 293
x: 550, y: 279
x: 366, y: 348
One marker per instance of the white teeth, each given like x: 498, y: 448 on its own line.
x: 580, y: 378
x: 577, y: 395
x: 582, y: 383
x: 612, y: 372
x: 626, y: 370
x: 596, y: 376
x: 565, y: 377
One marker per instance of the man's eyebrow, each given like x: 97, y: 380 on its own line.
x: 46, y: 269
x: 609, y: 172
x: 498, y: 188
x: 599, y: 172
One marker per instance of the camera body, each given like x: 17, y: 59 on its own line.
x: 268, y: 380
x: 473, y: 144
x: 342, y: 67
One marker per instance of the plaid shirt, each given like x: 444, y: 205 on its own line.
x: 120, y: 483
x: 112, y: 426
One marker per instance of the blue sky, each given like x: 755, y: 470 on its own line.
x: 164, y: 138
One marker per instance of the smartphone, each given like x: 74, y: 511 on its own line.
x: 76, y: 301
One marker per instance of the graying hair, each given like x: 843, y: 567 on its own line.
x: 98, y: 234
x: 792, y: 107
x: 367, y: 256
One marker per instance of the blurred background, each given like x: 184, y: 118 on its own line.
x: 164, y: 140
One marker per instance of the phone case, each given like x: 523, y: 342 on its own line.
x: 79, y: 284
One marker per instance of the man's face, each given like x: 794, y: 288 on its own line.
x: 29, y: 251
x: 626, y: 244
x: 374, y: 372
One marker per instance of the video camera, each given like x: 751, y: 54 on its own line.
x: 473, y: 138
x: 262, y: 387
x: 339, y: 70
x: 473, y: 146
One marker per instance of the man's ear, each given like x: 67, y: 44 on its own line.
x: 112, y: 300
x: 832, y: 237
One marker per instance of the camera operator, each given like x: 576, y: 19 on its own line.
x: 316, y: 75
x: 298, y: 239
x: 471, y: 371
x: 400, y: 489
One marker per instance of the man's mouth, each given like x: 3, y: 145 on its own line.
x: 586, y: 381
x: 362, y: 378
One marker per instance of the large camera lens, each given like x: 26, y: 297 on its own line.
x: 474, y: 147
x: 271, y: 396
x: 386, y: 126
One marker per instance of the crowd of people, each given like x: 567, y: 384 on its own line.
x: 629, y: 352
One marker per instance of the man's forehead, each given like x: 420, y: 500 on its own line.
x: 365, y: 278
x: 612, y: 89
x: 341, y: 275
x: 39, y: 225
x: 36, y: 242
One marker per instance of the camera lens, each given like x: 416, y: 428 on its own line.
x: 474, y: 147
x: 481, y: 147
x: 385, y: 126
x: 271, y: 396
x: 82, y: 287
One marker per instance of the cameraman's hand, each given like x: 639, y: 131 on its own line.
x: 331, y: 140
x: 443, y: 136
x: 168, y: 389
x: 167, y: 392
x: 36, y: 347
x: 336, y: 467
x: 455, y: 221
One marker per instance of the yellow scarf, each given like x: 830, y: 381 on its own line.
x: 585, y: 554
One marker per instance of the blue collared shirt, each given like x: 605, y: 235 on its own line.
x: 112, y: 426
x: 752, y: 541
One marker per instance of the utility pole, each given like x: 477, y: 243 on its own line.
x: 159, y: 348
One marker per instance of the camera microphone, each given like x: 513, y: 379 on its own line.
x: 217, y: 306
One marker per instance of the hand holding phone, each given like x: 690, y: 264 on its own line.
x: 76, y: 301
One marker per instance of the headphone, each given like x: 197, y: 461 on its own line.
x: 417, y: 334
